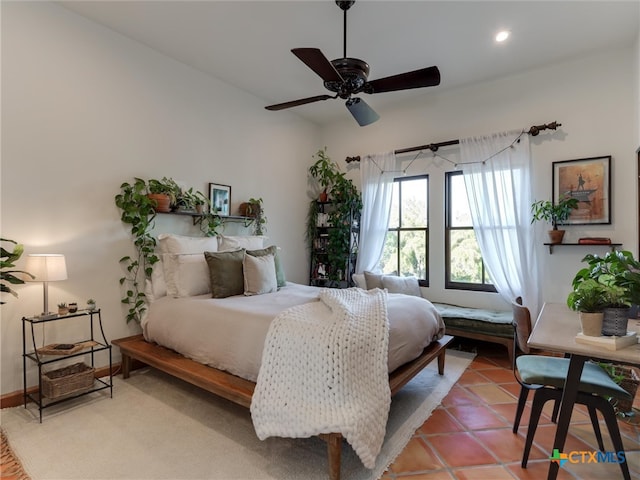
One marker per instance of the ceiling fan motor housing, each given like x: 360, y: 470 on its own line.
x: 353, y: 71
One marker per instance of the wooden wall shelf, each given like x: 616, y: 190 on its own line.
x: 612, y: 246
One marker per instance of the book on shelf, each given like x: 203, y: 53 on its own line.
x: 594, y: 241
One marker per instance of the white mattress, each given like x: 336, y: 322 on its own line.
x: 229, y: 333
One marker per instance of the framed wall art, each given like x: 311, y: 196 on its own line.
x: 588, y: 180
x: 220, y: 199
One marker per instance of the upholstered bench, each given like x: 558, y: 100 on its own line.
x: 478, y: 324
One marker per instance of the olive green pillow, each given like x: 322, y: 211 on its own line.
x: 225, y: 270
x: 272, y: 250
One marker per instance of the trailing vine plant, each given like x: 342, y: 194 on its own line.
x: 139, y: 211
x: 257, y: 219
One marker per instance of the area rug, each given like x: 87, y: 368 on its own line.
x: 158, y: 427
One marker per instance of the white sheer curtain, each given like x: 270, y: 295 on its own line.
x: 497, y: 174
x: 376, y: 175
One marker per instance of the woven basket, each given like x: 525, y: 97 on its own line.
x: 630, y: 383
x: 72, y: 379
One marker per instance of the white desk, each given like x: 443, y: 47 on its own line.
x: 555, y: 331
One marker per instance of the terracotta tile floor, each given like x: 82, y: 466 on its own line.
x: 469, y: 436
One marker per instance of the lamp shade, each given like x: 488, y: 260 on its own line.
x: 46, y: 267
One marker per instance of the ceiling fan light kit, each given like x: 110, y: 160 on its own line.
x: 349, y: 76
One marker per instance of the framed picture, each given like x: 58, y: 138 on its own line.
x: 588, y: 180
x: 220, y: 198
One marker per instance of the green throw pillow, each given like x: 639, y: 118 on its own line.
x: 225, y: 270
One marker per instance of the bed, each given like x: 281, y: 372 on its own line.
x: 217, y: 343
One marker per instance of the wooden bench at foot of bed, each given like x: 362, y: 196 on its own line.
x: 493, y: 326
x: 240, y: 391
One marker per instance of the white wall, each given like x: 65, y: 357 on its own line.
x: 589, y: 96
x: 85, y: 109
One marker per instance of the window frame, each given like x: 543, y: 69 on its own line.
x: 423, y: 282
x: 448, y: 283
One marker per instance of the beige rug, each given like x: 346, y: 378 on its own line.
x: 157, y: 427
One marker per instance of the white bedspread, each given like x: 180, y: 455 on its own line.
x: 229, y: 333
x: 313, y: 378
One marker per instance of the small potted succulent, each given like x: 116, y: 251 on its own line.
x: 63, y: 309
x: 91, y: 304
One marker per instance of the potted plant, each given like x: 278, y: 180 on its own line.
x: 91, y: 304
x: 556, y: 214
x: 588, y: 298
x: 254, y: 211
x: 63, y: 309
x: 164, y: 193
x: 619, y: 274
x: 325, y: 172
x: 7, y: 261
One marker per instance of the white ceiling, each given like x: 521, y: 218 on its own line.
x: 248, y: 43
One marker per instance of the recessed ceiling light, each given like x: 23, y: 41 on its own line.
x: 502, y: 36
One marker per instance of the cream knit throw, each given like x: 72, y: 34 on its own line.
x: 324, y: 370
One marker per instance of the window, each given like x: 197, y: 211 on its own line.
x: 406, y: 244
x: 464, y: 268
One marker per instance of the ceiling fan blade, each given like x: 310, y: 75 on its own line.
x: 425, y: 77
x: 361, y: 111
x: 316, y: 61
x: 295, y: 103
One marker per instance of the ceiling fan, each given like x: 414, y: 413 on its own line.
x: 348, y: 76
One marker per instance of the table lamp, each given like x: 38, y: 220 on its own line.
x: 46, y: 267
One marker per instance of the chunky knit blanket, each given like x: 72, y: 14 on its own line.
x: 324, y: 370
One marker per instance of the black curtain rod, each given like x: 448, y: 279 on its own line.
x: 533, y: 131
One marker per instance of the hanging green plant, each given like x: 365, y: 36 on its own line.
x: 138, y: 210
x: 254, y: 210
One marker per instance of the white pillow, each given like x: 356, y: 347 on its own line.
x: 406, y: 285
x: 186, y: 275
x: 259, y: 274
x: 155, y: 287
x: 171, y: 243
x: 359, y: 280
x: 248, y: 242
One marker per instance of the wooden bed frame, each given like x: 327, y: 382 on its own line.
x: 240, y: 391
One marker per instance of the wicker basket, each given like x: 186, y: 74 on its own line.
x: 64, y: 381
x: 629, y: 382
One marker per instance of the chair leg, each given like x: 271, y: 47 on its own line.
x: 611, y: 420
x: 540, y: 397
x: 596, y: 427
x: 522, y: 399
x: 556, y: 409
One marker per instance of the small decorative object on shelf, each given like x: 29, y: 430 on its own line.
x: 91, y: 304
x: 594, y: 241
x: 63, y: 309
x: 73, y: 307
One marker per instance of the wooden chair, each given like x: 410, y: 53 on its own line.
x: 545, y: 375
